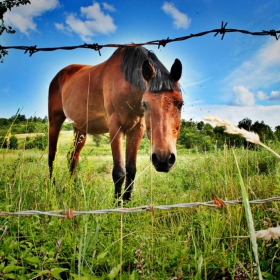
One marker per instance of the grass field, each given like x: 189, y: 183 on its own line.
x: 180, y: 243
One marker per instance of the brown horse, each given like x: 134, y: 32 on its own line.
x: 122, y: 95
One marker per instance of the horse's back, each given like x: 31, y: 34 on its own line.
x: 64, y: 75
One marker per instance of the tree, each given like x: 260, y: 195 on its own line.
x: 17, y: 118
x: 246, y: 124
x: 4, y: 7
x: 29, y: 128
x: 277, y: 132
x: 200, y: 125
x: 40, y: 142
x: 208, y: 129
x: 193, y: 136
x: 263, y: 130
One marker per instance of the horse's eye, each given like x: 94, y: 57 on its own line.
x: 144, y: 105
x: 180, y: 105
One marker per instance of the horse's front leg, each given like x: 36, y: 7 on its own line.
x: 133, y: 140
x: 116, y: 137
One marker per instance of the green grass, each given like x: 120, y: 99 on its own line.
x: 191, y: 243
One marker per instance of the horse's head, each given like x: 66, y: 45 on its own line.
x: 162, y: 113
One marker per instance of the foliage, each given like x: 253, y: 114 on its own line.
x: 246, y: 124
x: 9, y: 142
x: 193, y: 136
x: 277, y: 132
x: 19, y: 124
x: 263, y: 130
x: 4, y: 7
x: 203, y: 137
x: 99, y: 139
x: 67, y: 126
x: 40, y: 142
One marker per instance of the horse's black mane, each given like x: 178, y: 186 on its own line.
x: 131, y: 66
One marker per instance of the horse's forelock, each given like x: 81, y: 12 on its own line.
x: 131, y: 66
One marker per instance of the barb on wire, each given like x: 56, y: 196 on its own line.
x: 273, y: 33
x: 163, y: 42
x: 70, y: 213
x: 96, y: 47
x: 222, y: 30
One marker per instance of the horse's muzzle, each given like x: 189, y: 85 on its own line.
x: 163, y: 164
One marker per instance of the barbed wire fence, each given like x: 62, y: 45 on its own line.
x: 71, y: 213
x: 218, y: 203
x: 160, y: 43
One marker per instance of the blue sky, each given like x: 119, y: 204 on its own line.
x: 233, y: 78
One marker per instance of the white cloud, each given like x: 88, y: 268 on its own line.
x: 59, y: 26
x: 261, y: 70
x: 108, y: 7
x: 22, y: 17
x: 63, y: 28
x: 95, y: 22
x: 180, y: 20
x: 269, y: 114
x: 242, y: 97
x: 261, y: 95
x: 274, y: 95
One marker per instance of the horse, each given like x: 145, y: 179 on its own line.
x: 124, y: 95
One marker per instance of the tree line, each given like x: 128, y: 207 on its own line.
x: 19, y: 124
x: 199, y: 135
x: 22, y: 124
x: 204, y: 137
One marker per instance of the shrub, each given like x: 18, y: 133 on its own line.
x: 40, y: 142
x: 9, y: 142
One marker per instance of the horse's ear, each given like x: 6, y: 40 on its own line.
x: 176, y: 70
x: 148, y: 71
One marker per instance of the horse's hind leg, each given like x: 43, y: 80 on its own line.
x: 75, y: 150
x: 56, y: 120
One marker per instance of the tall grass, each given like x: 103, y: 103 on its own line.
x: 251, y: 137
x: 193, y: 243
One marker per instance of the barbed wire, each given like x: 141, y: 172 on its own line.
x: 160, y: 43
x: 71, y: 213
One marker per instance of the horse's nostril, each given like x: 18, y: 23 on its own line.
x: 171, y: 159
x: 155, y: 159
x: 163, y: 164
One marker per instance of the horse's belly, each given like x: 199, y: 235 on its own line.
x: 96, y: 125
x: 91, y: 118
